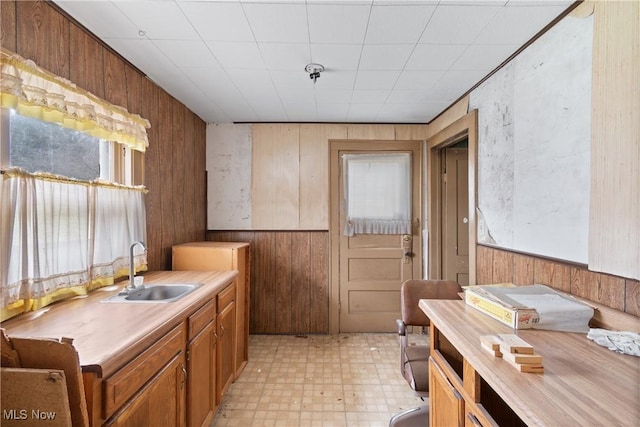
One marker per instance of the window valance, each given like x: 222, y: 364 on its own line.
x: 37, y: 93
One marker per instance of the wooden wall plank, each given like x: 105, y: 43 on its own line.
x: 552, y: 274
x: 289, y: 279
x: 484, y: 260
x: 522, y: 270
x: 411, y: 132
x: 314, y: 173
x: 179, y: 184
x: 87, y: 63
x: 502, y: 267
x: 8, y: 24
x: 275, y: 186
x: 283, y: 283
x: 115, y: 79
x: 200, y: 178
x: 453, y: 113
x: 632, y: 297
x: 189, y: 200
x: 380, y: 132
x: 615, y: 140
x: 300, y: 282
x: 43, y: 36
x: 319, y: 284
x: 601, y: 288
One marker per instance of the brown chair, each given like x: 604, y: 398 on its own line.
x: 414, y: 359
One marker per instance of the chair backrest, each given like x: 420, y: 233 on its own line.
x: 412, y: 291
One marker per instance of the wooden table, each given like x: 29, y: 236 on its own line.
x: 583, y: 384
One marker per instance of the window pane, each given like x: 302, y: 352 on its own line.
x: 38, y: 146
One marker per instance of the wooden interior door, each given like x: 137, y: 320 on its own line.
x: 373, y: 266
x: 455, y: 215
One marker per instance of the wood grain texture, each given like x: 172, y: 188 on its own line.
x: 275, y: 186
x: 43, y: 36
x: 115, y: 79
x: 289, y: 279
x: 498, y: 266
x: 87, y: 63
x: 449, y: 116
x: 583, y: 383
x: 314, y: 173
x: 379, y: 132
x: 8, y: 24
x: 614, y: 229
x: 411, y: 132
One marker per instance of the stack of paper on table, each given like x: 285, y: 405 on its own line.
x: 533, y: 306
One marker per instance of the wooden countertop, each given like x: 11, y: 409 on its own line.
x: 583, y: 384
x: 107, y: 335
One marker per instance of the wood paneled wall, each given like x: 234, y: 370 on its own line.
x: 175, y: 160
x: 289, y: 280
x: 501, y: 266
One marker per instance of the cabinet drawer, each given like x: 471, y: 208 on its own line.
x: 201, y: 318
x: 122, y: 385
x: 226, y: 297
x: 477, y: 416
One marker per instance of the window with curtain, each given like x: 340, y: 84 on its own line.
x: 377, y: 193
x: 66, y: 226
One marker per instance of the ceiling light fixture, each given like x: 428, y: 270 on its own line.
x: 314, y: 71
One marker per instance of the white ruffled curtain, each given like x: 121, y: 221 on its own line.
x: 62, y: 237
x: 377, y: 191
x: 37, y: 93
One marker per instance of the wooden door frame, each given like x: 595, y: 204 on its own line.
x: 465, y: 127
x: 335, y: 146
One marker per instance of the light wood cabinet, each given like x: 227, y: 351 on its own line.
x: 201, y: 366
x: 446, y: 406
x: 151, y: 389
x: 211, y: 256
x: 226, y: 341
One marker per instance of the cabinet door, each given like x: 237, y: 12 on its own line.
x: 225, y: 349
x: 201, y: 383
x: 160, y: 403
x: 446, y: 405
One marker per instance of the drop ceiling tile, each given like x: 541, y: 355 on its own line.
x: 409, y: 96
x: 214, y: 83
x: 218, y: 21
x: 285, y: 56
x: 369, y: 96
x: 424, y: 79
x: 104, y: 18
x: 335, y: 79
x: 376, y: 80
x: 434, y: 56
x: 186, y: 53
x: 530, y: 19
x: 385, y: 56
x: 457, y: 24
x: 294, y: 80
x: 237, y: 54
x: 484, y: 57
x: 158, y: 19
x: 286, y: 23
x: 337, y: 23
x: 301, y: 112
x: 328, y: 96
x: 397, y: 23
x: 337, y: 56
x: 364, y: 113
x: 403, y: 113
x: 143, y: 54
x: 291, y: 95
x: 333, y: 112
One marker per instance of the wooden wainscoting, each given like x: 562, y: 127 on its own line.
x: 289, y: 280
x: 501, y: 266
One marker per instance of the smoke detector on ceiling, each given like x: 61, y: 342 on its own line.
x: 314, y: 71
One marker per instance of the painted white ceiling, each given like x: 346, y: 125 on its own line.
x: 387, y: 61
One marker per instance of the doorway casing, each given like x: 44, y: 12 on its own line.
x: 465, y: 127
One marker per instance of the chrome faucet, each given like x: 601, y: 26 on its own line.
x: 132, y: 270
